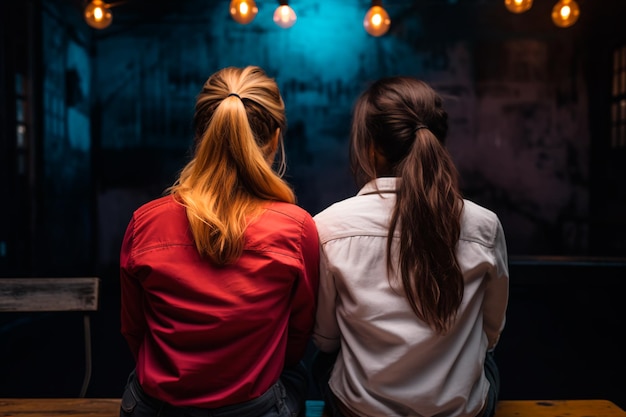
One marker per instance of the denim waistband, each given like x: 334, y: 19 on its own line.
x: 257, y: 406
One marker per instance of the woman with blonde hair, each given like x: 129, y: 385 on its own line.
x: 219, y: 277
x: 413, y: 278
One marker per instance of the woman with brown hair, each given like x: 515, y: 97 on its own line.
x: 413, y: 278
x: 219, y: 277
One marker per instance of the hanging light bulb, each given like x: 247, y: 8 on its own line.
x: 565, y: 13
x: 376, y: 21
x: 518, y: 6
x: 243, y: 11
x: 98, y: 15
x: 284, y: 16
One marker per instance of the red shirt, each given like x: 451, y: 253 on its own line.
x: 209, y: 336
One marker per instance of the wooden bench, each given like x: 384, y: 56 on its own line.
x: 109, y: 407
x: 39, y: 295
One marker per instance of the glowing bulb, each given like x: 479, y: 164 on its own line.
x: 518, y: 6
x: 243, y: 11
x: 284, y: 16
x: 98, y: 15
x: 376, y: 21
x: 565, y: 13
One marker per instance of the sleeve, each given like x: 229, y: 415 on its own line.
x: 305, y: 295
x: 497, y: 291
x: 326, y: 334
x: 133, y: 324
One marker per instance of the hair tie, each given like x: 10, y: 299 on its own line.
x: 418, y: 127
x: 234, y: 94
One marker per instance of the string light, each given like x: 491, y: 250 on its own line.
x: 98, y: 14
x: 518, y: 6
x: 376, y: 21
x: 284, y: 16
x: 243, y: 11
x: 565, y: 13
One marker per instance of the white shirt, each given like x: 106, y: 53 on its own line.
x: 391, y: 363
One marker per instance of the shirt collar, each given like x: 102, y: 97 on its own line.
x: 380, y: 185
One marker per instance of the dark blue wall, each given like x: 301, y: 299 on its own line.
x: 526, y: 115
x: 518, y: 107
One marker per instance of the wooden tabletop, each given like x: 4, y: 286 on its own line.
x: 110, y: 407
x: 569, y: 408
x: 56, y: 407
x: 528, y: 408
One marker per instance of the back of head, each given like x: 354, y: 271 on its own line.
x: 386, y: 117
x: 243, y: 97
x: 238, y: 124
x: 398, y: 130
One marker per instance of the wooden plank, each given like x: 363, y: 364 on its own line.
x: 109, y: 407
x: 57, y: 407
x: 528, y: 408
x: 569, y: 408
x: 49, y: 294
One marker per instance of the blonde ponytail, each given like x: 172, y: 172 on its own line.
x: 238, y: 114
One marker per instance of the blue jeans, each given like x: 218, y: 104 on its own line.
x: 323, y: 365
x: 286, y: 398
x: 493, y: 376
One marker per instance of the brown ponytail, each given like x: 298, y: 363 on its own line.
x: 402, y: 119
